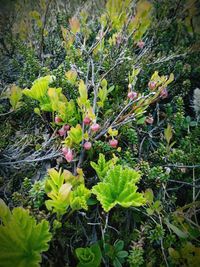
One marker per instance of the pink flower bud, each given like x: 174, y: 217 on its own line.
x: 152, y: 85
x: 95, y: 127
x: 87, y: 145
x: 140, y: 44
x: 113, y: 143
x: 65, y: 150
x: 62, y: 131
x: 86, y: 120
x: 66, y: 127
x: 132, y: 95
x: 149, y: 120
x: 164, y: 93
x: 69, y: 155
x: 58, y: 120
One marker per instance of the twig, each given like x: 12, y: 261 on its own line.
x: 182, y: 166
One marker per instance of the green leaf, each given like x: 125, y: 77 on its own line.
x: 102, y: 167
x: 168, y: 133
x: 5, y: 213
x: 149, y: 195
x: 177, y: 231
x: 119, y: 245
x: 75, y: 134
x: 122, y: 254
x: 150, y: 211
x: 112, y: 132
x: 83, y: 93
x: 58, y: 191
x: 71, y: 76
x: 116, y: 263
x: 22, y: 240
x: 39, y: 89
x: 119, y: 187
x: 15, y: 97
x: 79, y: 198
x: 141, y: 120
x: 89, y: 257
x: 104, y: 83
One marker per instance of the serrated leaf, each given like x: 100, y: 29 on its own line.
x: 79, y: 198
x: 103, y: 166
x: 119, y: 187
x: 22, y: 240
x: 39, y: 89
x: 89, y: 257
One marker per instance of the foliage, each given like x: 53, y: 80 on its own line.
x: 65, y: 190
x: 22, y: 239
x: 187, y: 255
x: 89, y: 257
x: 103, y: 166
x: 79, y: 198
x: 116, y: 253
x: 135, y: 258
x: 119, y: 187
x: 114, y: 89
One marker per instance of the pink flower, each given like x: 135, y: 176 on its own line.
x: 140, y: 44
x: 69, y: 155
x: 113, y: 143
x: 66, y: 127
x: 65, y: 150
x: 149, y: 120
x: 62, y: 131
x: 95, y: 127
x: 86, y: 120
x: 164, y: 93
x: 132, y: 95
x: 152, y: 85
x: 58, y: 120
x: 87, y: 145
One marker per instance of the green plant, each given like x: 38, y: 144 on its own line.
x: 119, y: 187
x: 15, y: 95
x: 22, y: 239
x: 65, y: 190
x: 187, y: 255
x: 79, y: 198
x: 156, y: 234
x: 58, y: 191
x: 158, y: 173
x: 52, y: 99
x: 103, y: 166
x: 89, y: 257
x: 136, y: 256
x: 116, y: 253
x: 37, y: 193
x: 152, y: 206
